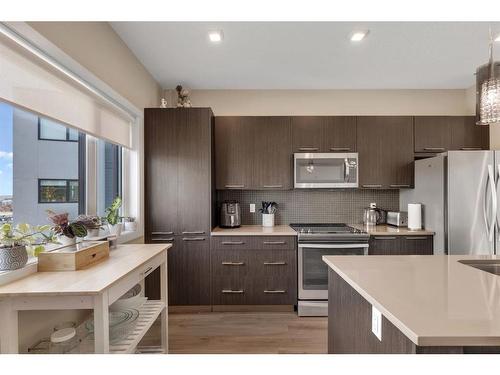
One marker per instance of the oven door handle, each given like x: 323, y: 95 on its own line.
x: 332, y: 246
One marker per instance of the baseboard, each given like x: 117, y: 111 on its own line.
x: 253, y: 308
x: 189, y: 309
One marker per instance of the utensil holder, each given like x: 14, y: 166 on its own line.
x: 268, y: 220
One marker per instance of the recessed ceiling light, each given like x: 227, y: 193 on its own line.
x: 358, y: 36
x: 215, y: 36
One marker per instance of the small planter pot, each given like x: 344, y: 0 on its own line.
x: 115, y: 230
x: 13, y: 258
x: 93, y: 232
x: 268, y: 220
x: 130, y: 226
x: 66, y: 241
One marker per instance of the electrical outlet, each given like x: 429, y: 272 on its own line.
x: 377, y: 323
x: 252, y: 208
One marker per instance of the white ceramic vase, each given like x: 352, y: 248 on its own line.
x: 268, y: 220
x: 130, y: 226
x: 66, y: 241
x: 115, y: 230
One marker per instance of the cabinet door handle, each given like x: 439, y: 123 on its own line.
x: 416, y: 238
x: 308, y: 148
x: 372, y: 186
x: 233, y: 263
x: 399, y: 185
x: 274, y: 242
x: 434, y: 148
x: 232, y: 243
x: 166, y: 233
x: 163, y: 239
x: 194, y: 232
x: 147, y: 272
x: 235, y: 186
x: 471, y: 148
x: 340, y: 149
x: 274, y: 291
x: 272, y: 186
x: 193, y: 239
x: 275, y: 263
x: 231, y: 291
x: 386, y: 238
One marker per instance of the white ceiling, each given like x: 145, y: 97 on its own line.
x: 305, y: 55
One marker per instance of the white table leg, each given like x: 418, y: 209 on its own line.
x: 101, y: 323
x: 164, y: 298
x: 9, y: 328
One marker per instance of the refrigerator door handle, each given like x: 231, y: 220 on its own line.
x: 493, y: 191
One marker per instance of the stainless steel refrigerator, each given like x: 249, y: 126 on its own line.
x: 459, y: 193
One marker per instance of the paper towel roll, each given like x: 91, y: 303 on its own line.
x: 414, y: 216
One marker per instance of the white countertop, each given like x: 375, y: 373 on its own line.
x: 255, y: 230
x: 434, y: 300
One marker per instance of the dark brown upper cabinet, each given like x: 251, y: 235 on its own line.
x: 434, y: 134
x: 385, y: 147
x: 466, y: 135
x: 253, y: 153
x: 324, y: 134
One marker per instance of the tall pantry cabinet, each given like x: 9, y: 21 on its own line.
x: 179, y: 191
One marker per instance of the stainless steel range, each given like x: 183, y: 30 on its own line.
x: 314, y: 241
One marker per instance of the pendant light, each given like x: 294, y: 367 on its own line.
x: 489, y: 94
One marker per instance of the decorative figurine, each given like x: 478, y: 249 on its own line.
x: 163, y: 103
x: 183, y: 97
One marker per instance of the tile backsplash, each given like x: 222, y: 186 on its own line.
x: 311, y: 206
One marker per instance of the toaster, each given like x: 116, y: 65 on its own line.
x: 230, y: 214
x: 397, y: 218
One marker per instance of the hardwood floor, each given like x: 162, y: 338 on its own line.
x: 242, y: 333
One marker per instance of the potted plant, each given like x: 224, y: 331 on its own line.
x: 129, y: 224
x: 67, y: 231
x: 92, y: 223
x: 14, y: 241
x: 113, y: 217
x: 268, y: 209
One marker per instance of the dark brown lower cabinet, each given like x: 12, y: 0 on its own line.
x: 254, y: 271
x: 401, y: 245
x: 188, y: 272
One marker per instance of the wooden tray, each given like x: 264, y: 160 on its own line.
x: 74, y: 257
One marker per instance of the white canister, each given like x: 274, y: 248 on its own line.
x: 268, y: 220
x: 414, y: 216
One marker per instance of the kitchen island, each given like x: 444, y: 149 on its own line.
x: 427, y: 304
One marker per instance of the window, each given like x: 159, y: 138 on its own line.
x: 109, y: 174
x: 58, y: 191
x: 52, y: 131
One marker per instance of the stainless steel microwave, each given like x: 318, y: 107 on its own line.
x: 325, y: 170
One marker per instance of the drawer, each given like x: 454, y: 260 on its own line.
x: 228, y: 290
x: 277, y: 263
x: 275, y: 242
x: 230, y: 263
x: 161, y: 236
x: 233, y: 242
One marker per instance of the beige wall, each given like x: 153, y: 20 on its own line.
x: 97, y: 47
x: 331, y: 102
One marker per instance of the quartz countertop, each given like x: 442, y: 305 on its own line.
x: 434, y: 300
x: 388, y: 230
x: 255, y: 230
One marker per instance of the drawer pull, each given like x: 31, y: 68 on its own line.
x: 162, y: 239
x: 385, y: 238
x: 166, y: 233
x: 399, y: 186
x: 274, y: 291
x: 232, y: 242
x: 274, y: 243
x: 416, y: 238
x: 308, y: 148
x: 195, y: 232
x: 233, y: 263
x: 471, y: 148
x: 235, y: 186
x: 340, y: 149
x: 231, y: 291
x: 275, y: 263
x: 434, y: 148
x: 194, y: 239
x: 371, y: 186
x: 272, y: 186
x: 147, y: 272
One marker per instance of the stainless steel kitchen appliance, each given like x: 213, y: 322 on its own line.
x: 397, y: 218
x: 314, y: 241
x: 230, y: 214
x: 374, y: 216
x: 459, y: 194
x: 326, y: 170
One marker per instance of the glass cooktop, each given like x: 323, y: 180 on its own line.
x: 335, y: 228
